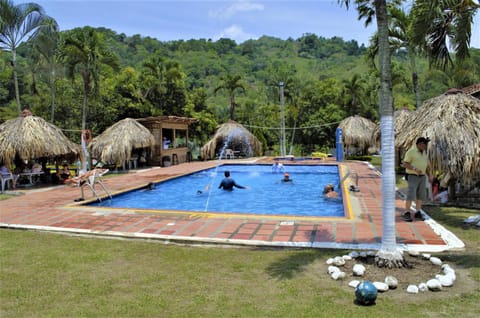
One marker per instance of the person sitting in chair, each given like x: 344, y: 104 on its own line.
x: 64, y: 174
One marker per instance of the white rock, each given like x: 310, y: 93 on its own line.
x: 358, y: 270
x: 452, y: 276
x: 333, y: 269
x: 446, y: 269
x: 329, y: 261
x: 434, y: 285
x: 338, y: 275
x: 371, y: 253
x: 338, y: 261
x: 422, y: 287
x: 412, y: 289
x: 381, y: 287
x: 363, y: 254
x: 436, y: 261
x: 354, y: 283
x: 347, y: 257
x: 391, y: 281
x: 426, y: 256
x: 413, y: 253
x: 354, y: 254
x: 445, y: 280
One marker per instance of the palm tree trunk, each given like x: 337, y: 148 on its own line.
x: 15, y: 80
x: 52, y: 94
x: 84, y: 122
x: 388, y: 255
x: 416, y: 88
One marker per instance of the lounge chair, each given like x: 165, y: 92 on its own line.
x: 91, y: 180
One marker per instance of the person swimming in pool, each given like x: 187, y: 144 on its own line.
x: 286, y: 178
x: 228, y: 183
x: 329, y: 191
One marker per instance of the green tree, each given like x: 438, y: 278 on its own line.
x: 19, y: 23
x: 85, y: 53
x: 400, y: 39
x: 438, y: 24
x: 353, y: 89
x: 46, y: 43
x: 231, y: 83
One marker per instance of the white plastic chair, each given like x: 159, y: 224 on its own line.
x: 229, y: 154
x: 90, y: 182
x: 5, y: 179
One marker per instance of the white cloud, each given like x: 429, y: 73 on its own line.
x: 236, y: 7
x: 236, y: 33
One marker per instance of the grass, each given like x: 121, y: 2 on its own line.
x: 52, y: 275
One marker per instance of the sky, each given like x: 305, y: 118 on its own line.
x: 238, y: 20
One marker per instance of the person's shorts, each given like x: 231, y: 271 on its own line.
x: 417, y: 189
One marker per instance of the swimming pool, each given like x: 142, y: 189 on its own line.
x: 266, y: 195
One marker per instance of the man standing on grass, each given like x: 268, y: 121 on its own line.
x: 416, y: 162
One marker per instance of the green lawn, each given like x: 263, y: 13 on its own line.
x: 52, y: 275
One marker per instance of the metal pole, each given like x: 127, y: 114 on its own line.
x: 283, y: 145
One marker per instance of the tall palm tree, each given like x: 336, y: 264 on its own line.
x: 231, y: 83
x: 388, y: 255
x: 19, y: 23
x: 440, y: 24
x: 400, y: 38
x: 84, y: 52
x: 47, y: 43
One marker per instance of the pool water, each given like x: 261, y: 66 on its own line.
x: 266, y: 195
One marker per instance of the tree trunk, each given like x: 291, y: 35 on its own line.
x: 389, y: 255
x: 416, y: 86
x: 52, y: 94
x: 15, y: 80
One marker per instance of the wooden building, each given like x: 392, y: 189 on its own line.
x: 171, y: 139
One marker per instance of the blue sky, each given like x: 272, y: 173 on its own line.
x: 239, y: 20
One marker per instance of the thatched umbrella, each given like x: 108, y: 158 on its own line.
x: 234, y: 136
x: 357, y: 132
x: 28, y: 137
x: 115, y: 144
x: 452, y: 122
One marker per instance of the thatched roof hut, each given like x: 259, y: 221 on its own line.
x: 232, y: 135
x: 452, y: 122
x: 116, y: 143
x: 31, y: 137
x: 401, y: 116
x: 357, y: 132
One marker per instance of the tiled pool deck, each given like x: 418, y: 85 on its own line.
x: 53, y: 209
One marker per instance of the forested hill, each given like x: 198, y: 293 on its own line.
x: 324, y: 81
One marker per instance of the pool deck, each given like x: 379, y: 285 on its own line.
x: 53, y: 209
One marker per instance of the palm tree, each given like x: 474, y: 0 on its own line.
x: 438, y: 24
x: 231, y: 83
x: 19, y: 23
x: 46, y: 43
x: 354, y: 89
x: 388, y: 255
x: 400, y: 38
x: 84, y: 52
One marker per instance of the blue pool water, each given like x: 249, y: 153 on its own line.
x: 266, y: 194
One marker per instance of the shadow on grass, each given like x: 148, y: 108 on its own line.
x: 288, y: 267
